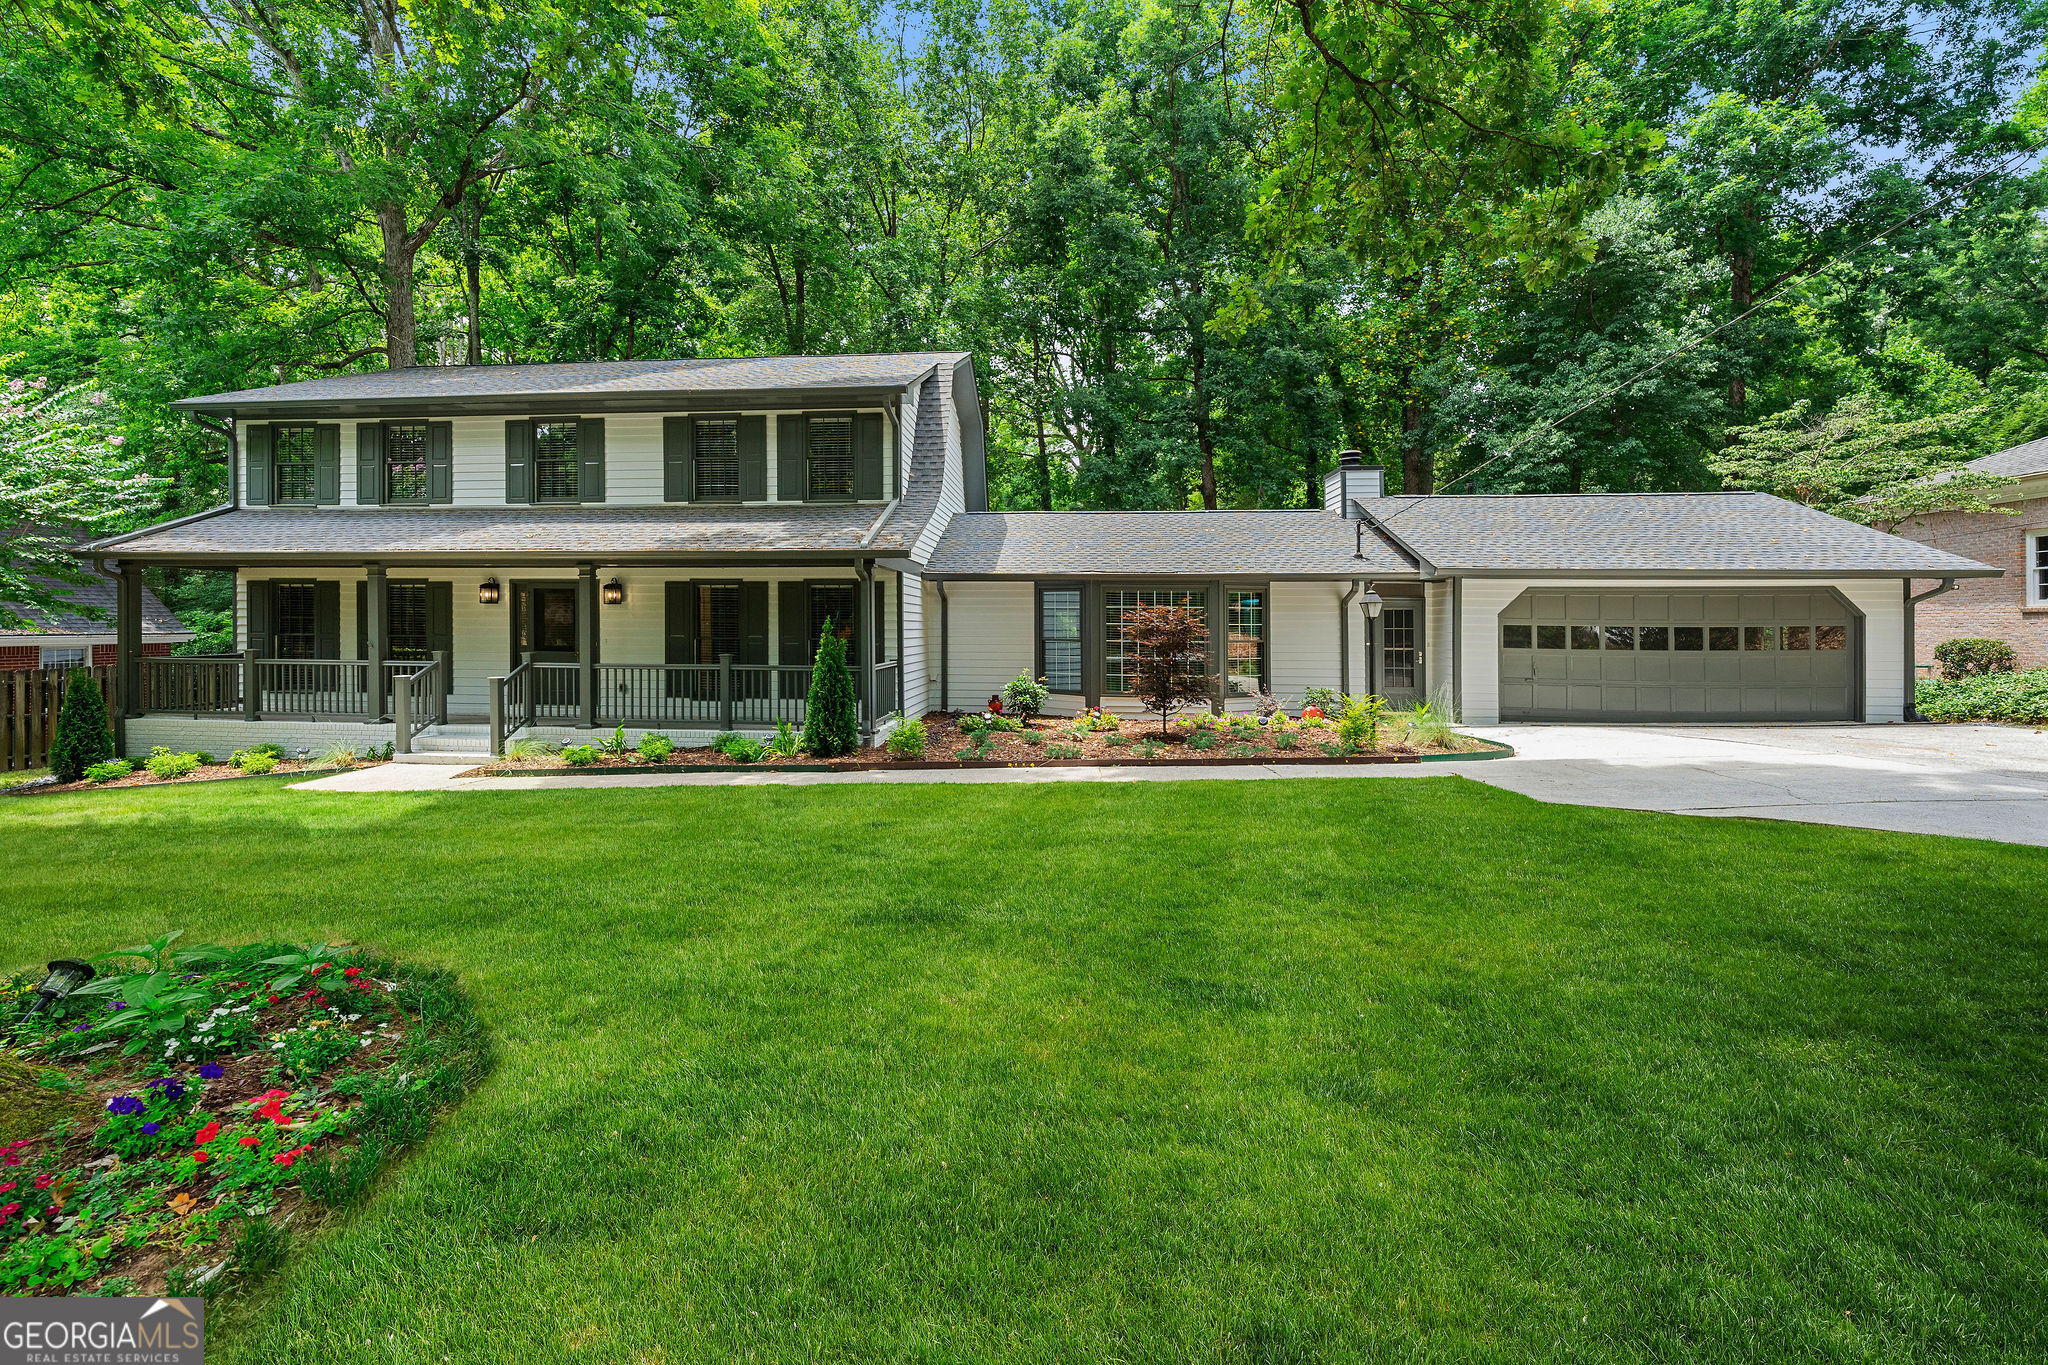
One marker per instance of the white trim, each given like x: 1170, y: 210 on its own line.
x: 2034, y: 564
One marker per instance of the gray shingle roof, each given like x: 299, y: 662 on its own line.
x: 592, y: 379
x: 1200, y: 543
x: 925, y: 479
x: 1648, y: 533
x: 479, y: 532
x: 2016, y: 462
x: 100, y: 593
x: 1651, y: 533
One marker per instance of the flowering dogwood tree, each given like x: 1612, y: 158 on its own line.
x: 63, y: 473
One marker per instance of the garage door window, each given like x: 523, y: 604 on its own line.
x: 1756, y: 639
x: 1585, y: 637
x: 1830, y: 637
x: 1690, y: 639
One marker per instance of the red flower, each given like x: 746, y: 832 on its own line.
x: 201, y: 1157
x: 276, y: 1000
x: 43, y: 1182
x: 206, y: 1134
x: 10, y: 1160
x: 250, y: 1142
x: 5, y: 1188
x: 353, y: 972
x: 8, y: 1211
x: 287, y: 1158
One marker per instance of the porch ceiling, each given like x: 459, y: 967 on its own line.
x: 495, y: 534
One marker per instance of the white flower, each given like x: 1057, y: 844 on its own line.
x: 117, y: 440
x: 15, y: 386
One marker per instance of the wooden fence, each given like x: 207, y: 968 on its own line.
x: 29, y: 699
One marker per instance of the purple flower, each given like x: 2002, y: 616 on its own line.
x: 125, y: 1104
x: 80, y: 1028
x: 149, y: 1130
x: 117, y: 1004
x: 170, y: 1087
x: 212, y: 1071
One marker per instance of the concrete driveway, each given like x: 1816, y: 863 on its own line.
x: 1980, y: 781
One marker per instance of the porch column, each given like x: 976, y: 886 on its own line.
x: 128, y: 639
x: 864, y: 632
x: 586, y: 641
x: 377, y: 637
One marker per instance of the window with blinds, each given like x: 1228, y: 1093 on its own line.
x: 292, y: 461
x: 1245, y: 653
x: 292, y: 614
x: 405, y: 462
x: 718, y: 460
x: 555, y: 457
x: 718, y: 620
x: 829, y: 460
x: 408, y: 623
x: 1059, y: 638
x: 836, y: 601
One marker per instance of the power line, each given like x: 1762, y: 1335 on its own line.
x: 1707, y: 336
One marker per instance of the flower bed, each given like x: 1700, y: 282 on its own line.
x: 162, y: 1126
x: 2013, y: 698
x: 162, y: 767
x: 1096, y: 737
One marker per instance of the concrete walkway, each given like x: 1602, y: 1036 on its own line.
x: 1980, y: 781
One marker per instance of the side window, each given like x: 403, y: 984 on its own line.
x: 1246, y: 652
x: 1059, y: 638
x: 828, y: 460
x: 555, y: 460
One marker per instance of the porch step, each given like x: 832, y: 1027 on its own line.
x: 453, y: 739
x: 461, y: 760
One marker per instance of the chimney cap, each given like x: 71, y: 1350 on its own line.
x: 1351, y: 459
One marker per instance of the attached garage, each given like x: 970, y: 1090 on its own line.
x: 1680, y: 656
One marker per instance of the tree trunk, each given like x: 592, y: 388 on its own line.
x: 1205, y: 440
x: 401, y: 325
x: 1044, y: 468
x: 1418, y: 470
x: 1741, y: 298
x: 473, y: 278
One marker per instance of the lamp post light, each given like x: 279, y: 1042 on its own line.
x: 1372, y: 604
x: 67, y: 974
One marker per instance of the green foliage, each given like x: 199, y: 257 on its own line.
x: 164, y: 765
x: 656, y: 748
x: 831, y: 716
x: 787, y: 743
x: 1968, y: 658
x: 1202, y: 739
x: 614, y: 743
x: 579, y: 755
x: 254, y: 763
x: 908, y: 739
x: 524, y: 750
x: 739, y: 748
x: 1358, y: 724
x: 1024, y: 697
x: 213, y: 632
x: 108, y: 771
x: 339, y: 754
x: 83, y: 737
x: 2015, y: 698
x: 1063, y: 751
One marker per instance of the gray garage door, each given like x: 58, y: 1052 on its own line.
x: 1678, y: 656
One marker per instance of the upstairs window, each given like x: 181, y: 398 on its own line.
x: 718, y: 462
x: 555, y: 462
x: 828, y: 463
x: 293, y: 456
x: 405, y: 462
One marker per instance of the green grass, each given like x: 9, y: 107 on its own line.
x: 1262, y: 1072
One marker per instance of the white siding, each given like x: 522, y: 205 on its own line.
x: 1439, y: 649
x: 1882, y: 602
x: 1301, y: 648
x: 917, y: 693
x: 221, y: 736
x: 993, y: 639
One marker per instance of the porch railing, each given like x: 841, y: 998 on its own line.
x: 193, y: 684
x: 888, y: 691
x: 720, y: 696
x: 419, y: 698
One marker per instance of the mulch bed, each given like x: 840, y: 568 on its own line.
x: 205, y: 772
x: 1048, y: 742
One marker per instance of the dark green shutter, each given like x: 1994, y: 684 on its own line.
x: 441, y: 628
x: 792, y: 435
x: 753, y: 624
x: 678, y: 637
x: 675, y: 459
x: 754, y: 470
x: 369, y: 464
x: 867, y: 455
x: 518, y: 462
x: 792, y: 628
x: 590, y: 450
x: 257, y: 594
x: 256, y: 456
x: 327, y: 464
x: 440, y: 462
x: 327, y: 619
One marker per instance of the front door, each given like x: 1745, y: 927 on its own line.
x: 544, y: 628
x: 1400, y: 653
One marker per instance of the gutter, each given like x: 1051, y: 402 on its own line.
x: 945, y: 643
x: 1912, y: 676
x: 96, y: 547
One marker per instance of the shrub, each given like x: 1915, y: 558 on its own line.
x: 108, y: 771
x: 1202, y: 739
x: 1358, y: 725
x: 1971, y: 658
x: 1096, y: 719
x: 1323, y: 699
x: 1024, y: 697
x: 339, y: 754
x: 787, y: 742
x: 271, y: 752
x: 614, y: 743
x: 739, y: 748
x: 2015, y: 698
x: 1286, y: 739
x: 1063, y: 751
x: 579, y: 755
x: 656, y: 748
x: 908, y: 740
x: 82, y: 738
x: 255, y: 763
x: 831, y: 720
x: 1033, y: 738
x: 163, y: 764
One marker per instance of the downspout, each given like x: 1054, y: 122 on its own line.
x: 945, y: 642
x: 226, y: 431
x: 1457, y: 650
x: 1911, y: 713
x: 1344, y: 634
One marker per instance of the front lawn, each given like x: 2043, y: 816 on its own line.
x: 1264, y: 1071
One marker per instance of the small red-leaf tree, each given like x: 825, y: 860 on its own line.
x: 1167, y: 658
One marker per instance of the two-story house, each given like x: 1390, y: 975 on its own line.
x: 448, y: 556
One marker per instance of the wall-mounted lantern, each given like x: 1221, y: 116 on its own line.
x: 614, y: 593
x: 487, y: 592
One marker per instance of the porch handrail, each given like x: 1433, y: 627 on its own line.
x: 418, y: 699
x: 511, y: 703
x: 720, y: 696
x: 192, y: 684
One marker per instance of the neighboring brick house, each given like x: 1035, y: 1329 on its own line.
x: 2013, y: 608
x: 65, y: 636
